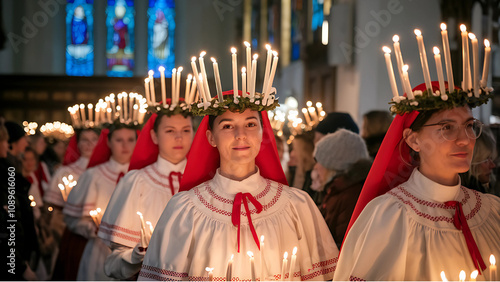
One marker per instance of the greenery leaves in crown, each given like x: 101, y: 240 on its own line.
x: 425, y: 101
x: 217, y: 108
x: 119, y: 124
x: 180, y: 109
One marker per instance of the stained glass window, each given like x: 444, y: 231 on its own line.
x: 317, y: 17
x: 161, y: 28
x: 79, y: 38
x: 297, y: 22
x: 120, y: 38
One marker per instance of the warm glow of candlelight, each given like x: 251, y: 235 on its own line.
x: 386, y: 50
x: 486, y: 43
x: 474, y: 274
x: 193, y: 59
x: 190, y: 77
x: 275, y: 53
x: 405, y: 68
x: 213, y: 60
x: 472, y: 36
x: 268, y: 47
x: 250, y: 254
x: 395, y: 38
x: 243, y: 70
x: 294, y: 252
x: 436, y: 50
x: 463, y: 28
x: 255, y: 56
x: 246, y: 44
x: 462, y: 276
x: 161, y: 69
x: 202, y: 54
x: 151, y: 72
x: 417, y: 32
x: 208, y: 269
x: 443, y: 26
x: 30, y: 197
x: 233, y: 50
x: 285, y: 255
x: 492, y: 260
x: 443, y: 277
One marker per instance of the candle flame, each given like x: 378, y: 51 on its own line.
x: 151, y: 72
x: 309, y: 103
x: 232, y: 256
x: 31, y: 197
x: 255, y: 56
x: 268, y: 47
x: 417, y: 32
x: 462, y: 275
x: 294, y: 252
x: 161, y: 68
x: 247, y: 44
x: 304, y: 110
x: 202, y: 54
x: 98, y: 210
x: 436, y: 50
x: 395, y: 38
x: 386, y: 50
x: 179, y: 69
x: 262, y: 239
x: 275, y: 53
x: 112, y: 95
x: 82, y: 106
x: 213, y: 60
x: 492, y: 260
x: 150, y: 225
x: 200, y: 76
x: 50, y: 209
x: 474, y: 274
x: 190, y: 76
x: 90, y: 106
x: 319, y: 105
x: 233, y: 50
x: 145, y: 80
x: 405, y: 68
x: 443, y: 26
x: 250, y: 254
x: 208, y: 269
x: 139, y: 213
x: 486, y: 43
x: 193, y: 59
x: 33, y: 204
x: 243, y: 70
x: 285, y: 255
x: 136, y: 107
x: 443, y: 277
x: 108, y: 110
x: 472, y: 36
x: 173, y: 70
x: 463, y: 28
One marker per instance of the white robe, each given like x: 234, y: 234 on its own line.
x: 195, y: 231
x: 92, y: 191
x: 146, y: 190
x: 408, y: 234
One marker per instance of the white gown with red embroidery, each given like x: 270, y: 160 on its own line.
x: 146, y: 190
x: 195, y: 231
x: 408, y: 234
x: 94, y: 189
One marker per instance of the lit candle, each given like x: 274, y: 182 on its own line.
x: 268, y: 67
x: 284, y: 266
x: 465, y: 58
x: 320, y: 107
x: 475, y: 63
x: 292, y: 263
x: 314, y: 116
x: 197, y: 77
x: 218, y: 85
x: 235, y: 72
x: 249, y: 58
x: 163, y: 86
x: 110, y: 119
x: 188, y: 88
x: 306, y: 115
x: 82, y: 111
x: 271, y: 78
x: 178, y: 85
x: 486, y: 66
x: 390, y: 71
x: 399, y: 57
x: 193, y: 91
x: 143, y: 229
x: 125, y: 106
x: 210, y: 273
x: 93, y: 214
x: 493, y: 268
x: 252, y: 265
x: 136, y: 111
x: 443, y: 277
x: 90, y: 106
x: 146, y: 89
x: 406, y: 81
x: 206, y: 90
x: 474, y: 275
x: 447, y: 58
x: 439, y: 69
x: 63, y: 191
x: 149, y: 231
x: 462, y: 276
x: 201, y: 89
x: 263, y: 267
x: 244, y: 81
x: 423, y: 60
x: 174, y: 75
x: 229, y: 271
x: 152, y: 85
x: 253, y: 76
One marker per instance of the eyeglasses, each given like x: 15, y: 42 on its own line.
x: 451, y: 130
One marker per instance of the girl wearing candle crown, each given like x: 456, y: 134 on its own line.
x: 156, y: 168
x: 236, y: 192
x: 109, y: 161
x: 413, y: 218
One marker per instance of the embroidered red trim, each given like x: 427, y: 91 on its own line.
x: 108, y: 173
x: 354, y: 278
x: 155, y: 180
x: 434, y: 204
x: 113, y: 233
x: 229, y: 201
x: 121, y: 229
x: 164, y: 271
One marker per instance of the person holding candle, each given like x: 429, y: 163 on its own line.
x: 236, y: 192
x: 154, y: 176
x: 110, y: 160
x: 413, y: 218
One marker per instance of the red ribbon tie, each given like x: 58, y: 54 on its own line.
x: 235, y: 216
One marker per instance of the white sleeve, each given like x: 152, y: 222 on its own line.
x: 119, y: 263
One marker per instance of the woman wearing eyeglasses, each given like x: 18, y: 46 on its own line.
x: 414, y: 219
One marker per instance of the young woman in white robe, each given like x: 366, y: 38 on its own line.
x: 156, y: 167
x: 93, y: 191
x: 231, y: 205
x: 426, y: 222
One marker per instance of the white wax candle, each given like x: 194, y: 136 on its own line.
x: 193, y: 91
x: 229, y: 270
x: 163, y: 86
x: 390, y: 71
x: 443, y: 277
x: 493, y: 268
x: 439, y: 69
x: 82, y: 111
x: 320, y: 107
x: 206, y: 89
x: 263, y: 267
x: 249, y: 59
x: 235, y: 72
x: 447, y: 58
x: 188, y: 88
x: 423, y: 59
x: 486, y: 66
x: 178, y: 85
x: 210, y: 273
x: 292, y: 263
x: 314, y: 116
x: 268, y: 67
x: 399, y: 57
x: 244, y: 82
x: 146, y: 89
x: 143, y: 228
x: 196, y: 75
x: 174, y: 80
x: 152, y: 85
x: 253, y: 76
x: 409, y: 91
x: 465, y: 59
x: 252, y: 265
x: 284, y: 266
x: 306, y: 115
x: 136, y: 112
x: 97, y: 113
x: 475, y: 63
x: 108, y: 110
x: 218, y: 85
x: 271, y: 78
x: 90, y: 106
x: 125, y: 106
x: 202, y: 89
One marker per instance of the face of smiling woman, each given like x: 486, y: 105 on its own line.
x: 238, y: 137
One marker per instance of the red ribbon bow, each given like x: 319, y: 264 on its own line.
x: 235, y: 216
x: 460, y: 223
x: 171, y: 180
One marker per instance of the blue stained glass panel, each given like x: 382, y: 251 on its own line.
x: 317, y: 17
x: 161, y: 31
x: 120, y: 38
x: 79, y: 38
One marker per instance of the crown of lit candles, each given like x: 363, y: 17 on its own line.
x: 475, y: 91
x: 57, y: 130
x: 30, y: 127
x: 265, y: 100
x: 128, y: 108
x: 176, y: 104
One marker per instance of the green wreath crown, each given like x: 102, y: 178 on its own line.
x: 235, y: 104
